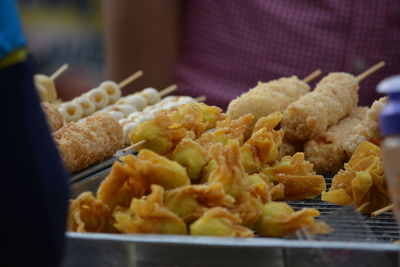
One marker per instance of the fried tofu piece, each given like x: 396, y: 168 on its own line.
x: 149, y: 215
x: 192, y: 156
x: 122, y: 184
x: 156, y: 169
x: 86, y: 214
x: 220, y: 222
x: 278, y: 219
x: 190, y: 202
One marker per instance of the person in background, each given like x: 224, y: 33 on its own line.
x: 34, y: 195
x: 222, y: 48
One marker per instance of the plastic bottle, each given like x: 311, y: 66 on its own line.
x: 390, y: 130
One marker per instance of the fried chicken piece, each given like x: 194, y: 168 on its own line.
x: 334, y: 97
x: 122, y: 184
x: 86, y: 214
x: 192, y: 156
x: 326, y: 152
x: 149, y: 215
x: 219, y: 222
x: 54, y: 118
x: 190, y: 202
x: 267, y: 98
x: 89, y: 142
x: 229, y: 171
x: 278, y: 219
x: 362, y: 182
x: 156, y: 169
x: 297, y: 177
x: 367, y: 129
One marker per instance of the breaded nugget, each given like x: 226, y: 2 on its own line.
x: 335, y: 96
x: 54, y: 118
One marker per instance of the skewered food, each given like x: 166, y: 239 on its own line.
x: 99, y: 98
x: 136, y: 100
x: 335, y: 96
x: 46, y: 88
x: 219, y: 222
x: 91, y: 141
x: 71, y: 111
x: 54, y: 118
x: 326, y: 152
x: 361, y: 182
x: 152, y: 96
x: 112, y: 90
x: 149, y: 215
x: 88, y: 107
x: 367, y: 129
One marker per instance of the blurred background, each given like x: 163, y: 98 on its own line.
x: 66, y: 31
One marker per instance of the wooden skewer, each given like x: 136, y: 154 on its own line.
x: 382, y: 210
x: 59, y: 71
x: 359, y: 209
x: 132, y: 147
x: 201, y: 98
x: 130, y: 79
x: 369, y: 71
x: 168, y: 90
x: 312, y: 76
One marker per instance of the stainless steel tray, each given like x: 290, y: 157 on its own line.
x: 358, y: 242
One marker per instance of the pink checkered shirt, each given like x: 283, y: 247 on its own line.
x: 228, y: 45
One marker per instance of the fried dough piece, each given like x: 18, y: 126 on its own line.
x: 192, y: 156
x: 190, y: 202
x: 219, y: 222
x: 54, y: 118
x: 149, y: 215
x: 229, y: 170
x: 236, y: 128
x: 278, y: 219
x: 122, y: 184
x: 156, y: 169
x: 326, y: 152
x: 367, y: 129
x: 86, y: 214
x: 334, y: 97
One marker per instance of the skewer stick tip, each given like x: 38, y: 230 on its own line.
x: 134, y: 146
x: 168, y: 90
x: 201, y: 98
x: 370, y: 71
x: 130, y: 79
x: 382, y: 210
x: 312, y: 76
x: 360, y: 208
x: 59, y: 71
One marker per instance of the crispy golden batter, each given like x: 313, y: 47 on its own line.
x: 122, y: 184
x: 149, y: 215
x: 335, y: 96
x: 86, y: 214
x: 156, y: 169
x: 278, y: 219
x: 190, y: 202
x: 326, y: 152
x: 229, y: 170
x: 192, y: 156
x: 367, y: 129
x: 236, y: 128
x: 362, y: 182
x: 297, y: 177
x: 54, y: 118
x: 219, y: 222
x: 89, y: 142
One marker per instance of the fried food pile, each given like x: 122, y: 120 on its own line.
x: 188, y: 179
x: 361, y: 182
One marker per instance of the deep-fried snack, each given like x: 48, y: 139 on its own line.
x: 237, y: 128
x: 156, y: 169
x: 326, y: 152
x: 190, y: 202
x: 335, y: 96
x: 267, y: 98
x: 122, y: 184
x: 54, y: 118
x: 297, y: 177
x: 192, y: 156
x: 86, y: 214
x: 362, y: 182
x: 278, y: 219
x: 149, y: 215
x: 367, y: 129
x: 219, y: 222
x: 229, y: 170
x: 91, y: 141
